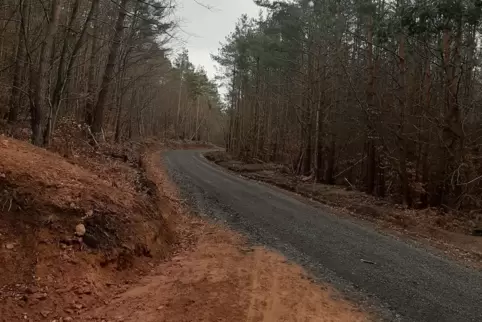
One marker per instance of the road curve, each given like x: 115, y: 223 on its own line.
x: 409, y: 282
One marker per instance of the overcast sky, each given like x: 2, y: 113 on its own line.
x: 203, y: 29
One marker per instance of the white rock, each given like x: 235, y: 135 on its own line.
x: 80, y: 230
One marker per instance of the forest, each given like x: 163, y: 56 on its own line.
x: 107, y: 66
x: 381, y: 95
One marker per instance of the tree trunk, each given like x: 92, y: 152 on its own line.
x: 118, y: 119
x: 370, y: 96
x: 319, y: 169
x: 98, y: 118
x: 319, y: 145
x: 40, y: 78
x: 371, y: 167
x: 91, y: 79
x: 307, y: 138
x: 402, y: 144
x: 179, y: 100
x: 14, y: 102
x: 330, y: 169
x: 64, y: 72
x: 424, y: 196
x: 56, y: 93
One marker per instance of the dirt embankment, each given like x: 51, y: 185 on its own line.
x: 451, y: 233
x: 214, y: 276
x: 101, y: 235
x: 70, y: 233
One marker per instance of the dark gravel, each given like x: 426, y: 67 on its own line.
x: 397, y: 279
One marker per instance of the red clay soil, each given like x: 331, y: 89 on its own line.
x: 221, y: 280
x: 49, y: 273
x: 130, y: 270
x: 47, y: 190
x: 214, y: 276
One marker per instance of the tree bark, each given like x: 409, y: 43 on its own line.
x: 14, y: 102
x: 40, y: 78
x: 98, y: 117
x: 91, y: 79
x: 370, y: 96
x: 402, y: 144
x: 64, y: 72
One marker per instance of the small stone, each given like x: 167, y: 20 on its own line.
x: 89, y: 213
x: 160, y: 307
x: 68, y: 319
x: 82, y: 291
x: 30, y: 290
x: 40, y: 296
x: 45, y: 314
x: 69, y: 311
x: 10, y: 246
x: 80, y: 230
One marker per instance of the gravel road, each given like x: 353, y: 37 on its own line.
x: 402, y: 281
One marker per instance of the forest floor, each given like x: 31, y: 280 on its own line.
x: 453, y: 234
x: 101, y: 235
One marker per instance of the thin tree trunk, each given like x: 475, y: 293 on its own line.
x: 179, y: 100
x: 91, y: 79
x: 330, y: 169
x: 64, y: 73
x: 403, y: 146
x: 40, y: 78
x: 98, y: 118
x: 14, y: 102
x: 370, y: 94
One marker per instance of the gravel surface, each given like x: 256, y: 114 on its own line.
x: 399, y: 280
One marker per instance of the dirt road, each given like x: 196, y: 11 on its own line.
x: 409, y: 283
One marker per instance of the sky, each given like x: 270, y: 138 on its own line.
x: 201, y: 29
